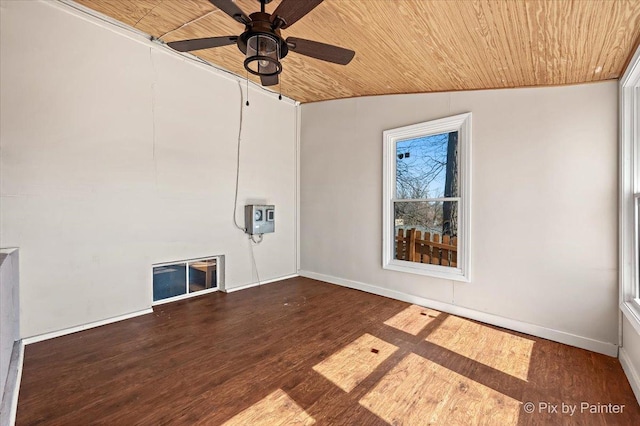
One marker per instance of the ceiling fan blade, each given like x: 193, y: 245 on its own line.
x: 325, y: 52
x: 269, y: 80
x: 201, y: 43
x: 290, y: 11
x: 231, y: 9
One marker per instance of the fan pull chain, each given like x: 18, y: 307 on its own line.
x: 247, y: 104
x: 280, y: 87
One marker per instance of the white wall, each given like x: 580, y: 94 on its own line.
x: 630, y: 355
x: 544, y: 220
x: 117, y: 154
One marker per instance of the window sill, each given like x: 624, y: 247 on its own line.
x: 435, y: 271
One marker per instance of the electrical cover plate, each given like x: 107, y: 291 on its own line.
x: 259, y: 219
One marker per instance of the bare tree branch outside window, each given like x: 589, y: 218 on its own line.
x: 427, y: 168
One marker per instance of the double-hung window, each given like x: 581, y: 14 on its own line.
x: 427, y: 195
x: 630, y: 192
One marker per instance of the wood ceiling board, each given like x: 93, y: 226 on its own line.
x: 128, y: 12
x: 171, y: 15
x: 417, y: 46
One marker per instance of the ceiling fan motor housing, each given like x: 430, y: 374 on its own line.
x: 262, y: 45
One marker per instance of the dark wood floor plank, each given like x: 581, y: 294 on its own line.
x: 204, y: 360
x: 271, y: 335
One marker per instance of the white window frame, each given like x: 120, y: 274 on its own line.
x: 630, y: 191
x: 189, y: 294
x: 458, y: 123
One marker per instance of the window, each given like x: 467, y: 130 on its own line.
x: 180, y: 279
x: 427, y: 194
x: 630, y: 192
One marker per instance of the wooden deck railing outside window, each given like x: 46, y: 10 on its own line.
x: 428, y: 248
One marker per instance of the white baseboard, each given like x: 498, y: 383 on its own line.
x: 63, y: 332
x: 244, y: 287
x: 511, y: 324
x: 631, y: 372
x: 9, y: 403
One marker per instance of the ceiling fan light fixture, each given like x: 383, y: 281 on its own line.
x: 262, y: 43
x: 263, y: 55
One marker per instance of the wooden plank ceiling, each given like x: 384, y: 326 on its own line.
x: 417, y: 46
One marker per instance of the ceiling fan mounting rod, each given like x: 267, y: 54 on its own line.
x: 262, y: 3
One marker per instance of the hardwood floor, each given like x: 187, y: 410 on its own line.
x: 305, y: 352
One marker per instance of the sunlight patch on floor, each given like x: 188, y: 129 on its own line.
x: 497, y: 349
x: 353, y: 363
x: 413, y: 319
x: 274, y: 410
x: 420, y: 392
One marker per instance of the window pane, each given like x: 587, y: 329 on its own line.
x: 202, y: 275
x: 426, y: 232
x: 169, y: 281
x: 427, y: 167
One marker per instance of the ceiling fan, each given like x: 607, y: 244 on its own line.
x: 261, y: 42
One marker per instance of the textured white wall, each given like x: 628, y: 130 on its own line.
x: 544, y: 220
x: 117, y: 154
